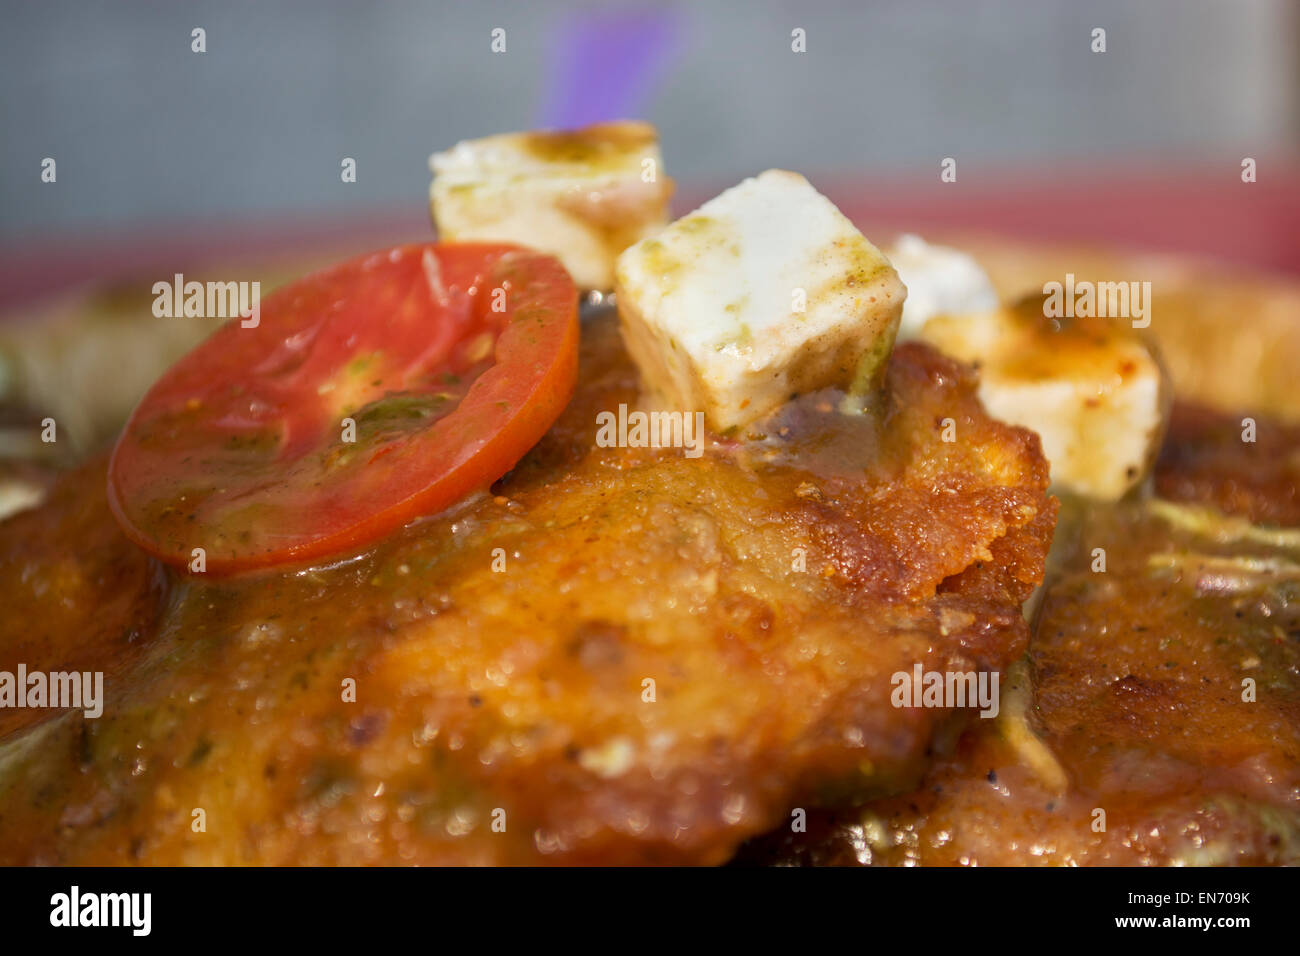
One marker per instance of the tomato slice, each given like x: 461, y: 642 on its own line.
x: 445, y: 362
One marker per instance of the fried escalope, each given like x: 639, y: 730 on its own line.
x: 618, y: 655
x: 1158, y: 720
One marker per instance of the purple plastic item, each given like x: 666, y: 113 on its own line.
x: 606, y: 65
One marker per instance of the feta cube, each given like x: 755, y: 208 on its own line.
x: 582, y: 195
x: 1093, y: 389
x: 940, y: 280
x: 764, y: 292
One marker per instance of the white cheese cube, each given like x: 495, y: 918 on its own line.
x: 764, y: 292
x: 582, y: 195
x: 940, y: 280
x: 17, y: 494
x: 1093, y: 390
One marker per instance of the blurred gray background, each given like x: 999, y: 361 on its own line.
x: 145, y: 130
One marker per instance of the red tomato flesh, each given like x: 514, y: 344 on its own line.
x: 450, y: 361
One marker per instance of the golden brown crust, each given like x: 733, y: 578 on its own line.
x: 769, y: 589
x: 1241, y: 464
x: 1139, y: 698
x: 76, y: 593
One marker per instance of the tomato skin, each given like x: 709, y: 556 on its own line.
x: 236, y: 450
